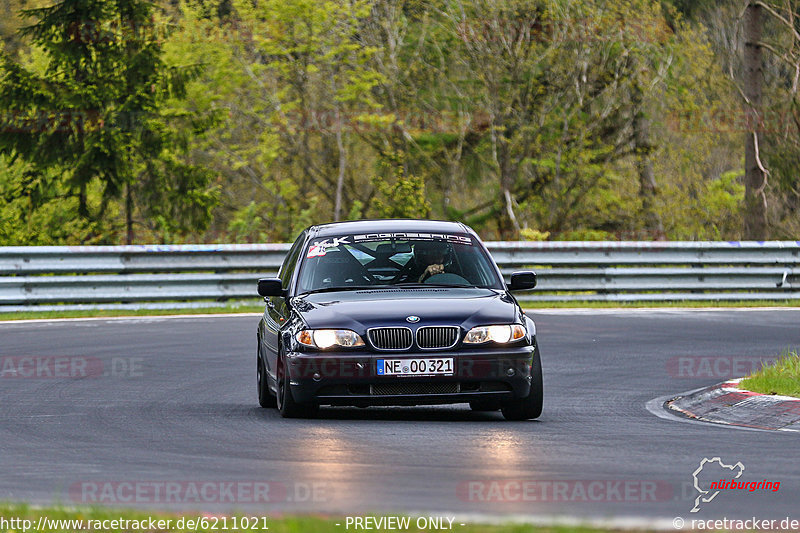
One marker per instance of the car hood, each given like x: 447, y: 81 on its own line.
x: 361, y: 310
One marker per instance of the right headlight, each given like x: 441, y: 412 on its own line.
x: 325, y: 338
x: 501, y: 334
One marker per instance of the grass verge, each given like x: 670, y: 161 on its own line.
x: 782, y: 377
x: 101, y: 313
x: 100, y: 518
x: 259, y: 308
x: 656, y: 305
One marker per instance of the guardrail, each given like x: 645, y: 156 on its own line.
x: 200, y: 275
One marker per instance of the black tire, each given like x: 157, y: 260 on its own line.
x: 484, y: 405
x: 531, y: 406
x: 265, y: 397
x: 287, y: 406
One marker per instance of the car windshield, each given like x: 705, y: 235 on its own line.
x: 395, y: 260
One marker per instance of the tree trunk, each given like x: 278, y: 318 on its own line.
x: 128, y: 214
x: 500, y: 158
x: 755, y: 177
x: 337, y: 208
x: 337, y: 212
x: 647, y: 179
x: 83, y: 201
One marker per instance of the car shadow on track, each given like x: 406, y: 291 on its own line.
x: 408, y: 414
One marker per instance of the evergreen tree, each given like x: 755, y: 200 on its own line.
x: 94, y: 109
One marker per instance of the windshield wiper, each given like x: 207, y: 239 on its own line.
x: 412, y: 285
x: 345, y: 288
x: 408, y: 285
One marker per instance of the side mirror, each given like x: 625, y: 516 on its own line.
x: 522, y: 281
x: 270, y: 287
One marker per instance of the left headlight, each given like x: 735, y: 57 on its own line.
x: 325, y: 338
x: 501, y: 334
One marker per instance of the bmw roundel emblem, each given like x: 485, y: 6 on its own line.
x: 413, y: 319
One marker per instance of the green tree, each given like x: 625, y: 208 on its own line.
x: 308, y: 55
x: 93, y: 111
x: 11, y: 21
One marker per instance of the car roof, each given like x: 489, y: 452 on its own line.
x: 388, y: 226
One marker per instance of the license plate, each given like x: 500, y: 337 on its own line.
x: 416, y: 367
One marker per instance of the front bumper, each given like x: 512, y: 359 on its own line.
x: 350, y: 378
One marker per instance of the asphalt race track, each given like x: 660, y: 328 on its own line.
x: 132, y: 404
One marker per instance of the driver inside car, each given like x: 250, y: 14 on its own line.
x: 430, y: 258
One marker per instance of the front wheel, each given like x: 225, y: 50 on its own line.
x: 287, y: 406
x: 265, y: 397
x: 530, y: 406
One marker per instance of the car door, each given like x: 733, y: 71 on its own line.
x: 276, y: 312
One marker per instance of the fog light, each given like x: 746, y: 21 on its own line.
x: 316, y: 376
x: 510, y: 372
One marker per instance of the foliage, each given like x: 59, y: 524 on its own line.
x: 403, y: 199
x: 528, y: 234
x: 36, y: 211
x: 586, y: 235
x: 782, y: 377
x: 246, y: 223
x: 88, y: 108
x: 583, y: 119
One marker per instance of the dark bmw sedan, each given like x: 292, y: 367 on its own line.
x: 396, y: 312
